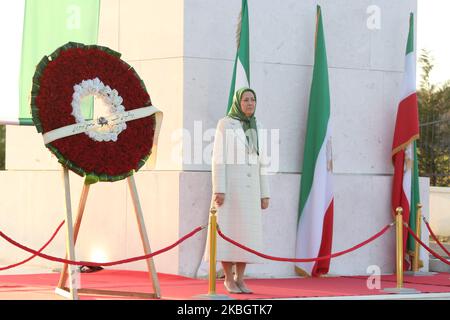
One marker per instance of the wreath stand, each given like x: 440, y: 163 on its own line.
x: 72, y: 290
x: 118, y: 115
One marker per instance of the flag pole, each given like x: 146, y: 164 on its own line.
x: 399, y: 246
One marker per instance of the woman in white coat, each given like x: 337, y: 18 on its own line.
x: 240, y: 187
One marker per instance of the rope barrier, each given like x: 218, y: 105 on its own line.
x: 435, y: 238
x: 337, y: 254
x: 195, y: 231
x: 97, y: 264
x: 425, y: 246
x: 34, y: 255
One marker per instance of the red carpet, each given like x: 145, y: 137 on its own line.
x: 178, y: 287
x: 440, y: 279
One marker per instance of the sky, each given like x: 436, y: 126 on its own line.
x: 433, y: 27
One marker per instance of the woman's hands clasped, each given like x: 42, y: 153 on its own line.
x: 219, y: 198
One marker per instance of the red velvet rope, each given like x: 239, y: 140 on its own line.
x: 337, y: 254
x: 425, y: 246
x: 96, y: 264
x: 34, y: 255
x: 436, y: 239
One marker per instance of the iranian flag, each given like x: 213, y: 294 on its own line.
x: 315, y: 223
x: 241, y: 70
x: 405, y: 190
x: 36, y: 28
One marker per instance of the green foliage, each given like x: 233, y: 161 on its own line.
x: 434, y: 114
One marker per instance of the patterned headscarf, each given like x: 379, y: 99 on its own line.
x: 248, y: 123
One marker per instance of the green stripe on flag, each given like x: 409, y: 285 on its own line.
x: 244, y: 40
x: 410, y: 45
x: 243, y: 51
x: 415, y: 199
x: 318, y: 114
x: 49, y: 24
x: 233, y: 84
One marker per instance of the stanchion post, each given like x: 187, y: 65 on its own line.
x: 418, y: 233
x: 399, y: 246
x: 212, y: 295
x: 399, y: 256
x: 212, y: 251
x: 416, y: 260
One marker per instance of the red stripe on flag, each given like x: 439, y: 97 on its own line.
x: 397, y: 187
x: 322, y: 266
x: 407, y: 123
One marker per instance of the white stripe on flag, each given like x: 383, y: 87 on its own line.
x: 11, y: 24
x: 408, y: 86
x: 241, y: 76
x: 408, y: 173
x: 310, y: 227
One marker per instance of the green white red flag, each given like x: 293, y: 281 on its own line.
x: 405, y: 190
x: 315, y: 223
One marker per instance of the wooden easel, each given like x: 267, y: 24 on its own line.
x: 72, y: 290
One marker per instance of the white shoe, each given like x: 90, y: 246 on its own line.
x: 230, y: 290
x: 241, y: 285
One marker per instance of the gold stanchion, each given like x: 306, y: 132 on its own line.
x: 418, y: 232
x: 399, y: 246
x: 399, y: 255
x: 212, y: 260
x: 416, y: 265
x: 212, y: 251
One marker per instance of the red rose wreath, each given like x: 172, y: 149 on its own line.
x: 108, y: 148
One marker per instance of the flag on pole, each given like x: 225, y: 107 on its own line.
x: 315, y: 223
x: 241, y: 70
x: 405, y: 190
x: 37, y: 28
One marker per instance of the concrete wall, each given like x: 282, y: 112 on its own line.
x: 184, y: 51
x: 440, y: 211
x: 34, y: 207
